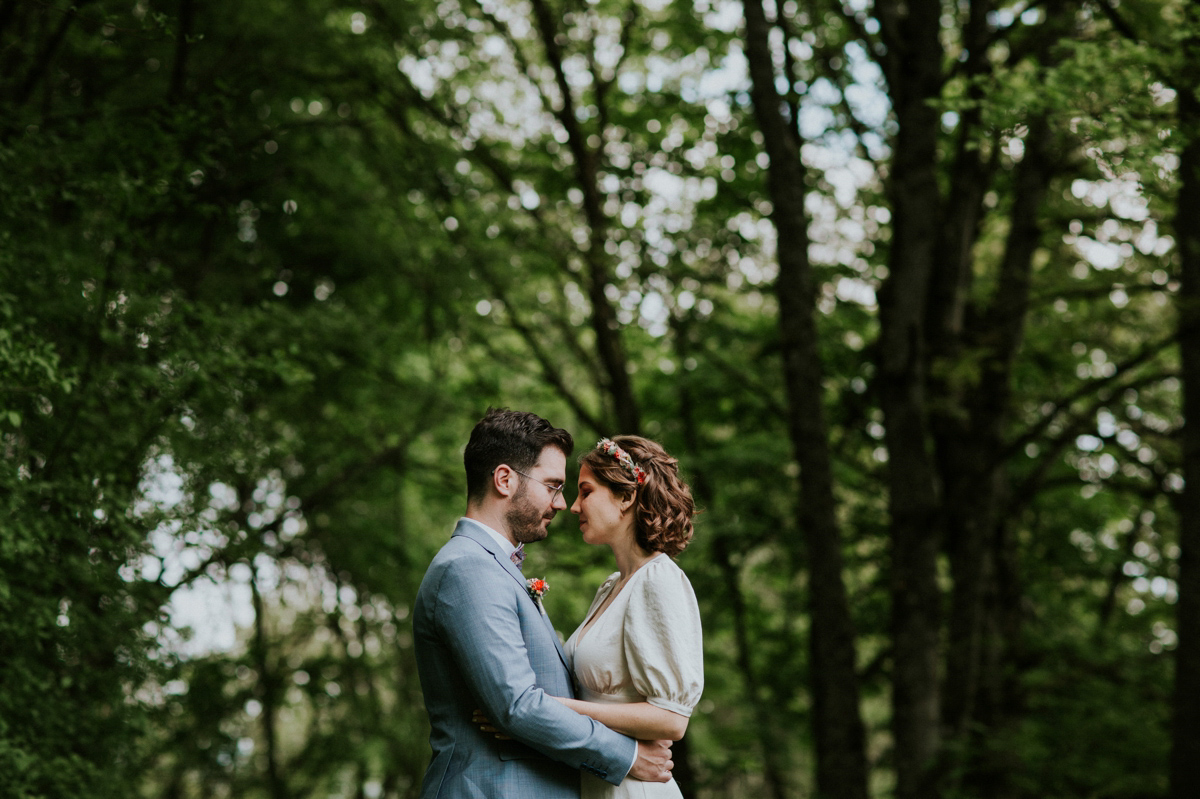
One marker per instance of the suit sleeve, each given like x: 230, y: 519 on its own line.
x: 476, y: 614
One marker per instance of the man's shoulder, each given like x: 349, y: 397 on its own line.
x: 462, y: 556
x: 461, y: 548
x: 463, y: 575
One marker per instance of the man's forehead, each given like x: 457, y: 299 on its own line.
x: 552, y: 461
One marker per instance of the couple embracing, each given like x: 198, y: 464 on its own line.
x: 514, y: 712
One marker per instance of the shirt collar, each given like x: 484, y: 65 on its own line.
x: 505, y: 545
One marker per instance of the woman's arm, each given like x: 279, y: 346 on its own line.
x: 640, y: 720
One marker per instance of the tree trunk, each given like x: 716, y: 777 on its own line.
x: 837, y: 720
x: 973, y: 473
x: 268, y: 691
x: 1185, y: 743
x: 45, y: 56
x: 604, y: 320
x: 703, y: 494
x: 971, y: 444
x: 913, y: 70
x: 774, y: 774
x: 186, y: 22
x: 964, y: 460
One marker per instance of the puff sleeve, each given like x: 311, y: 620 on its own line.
x: 663, y: 640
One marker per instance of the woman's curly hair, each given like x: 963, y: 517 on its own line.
x: 663, y: 505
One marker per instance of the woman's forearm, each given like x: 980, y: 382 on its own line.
x: 640, y: 720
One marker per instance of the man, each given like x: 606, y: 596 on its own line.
x: 483, y: 640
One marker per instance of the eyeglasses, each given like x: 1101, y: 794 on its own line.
x: 554, y: 490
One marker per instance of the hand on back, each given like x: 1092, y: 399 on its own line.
x: 653, y: 762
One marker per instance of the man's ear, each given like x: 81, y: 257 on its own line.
x: 504, y: 480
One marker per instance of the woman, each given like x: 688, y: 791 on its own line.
x: 637, y: 656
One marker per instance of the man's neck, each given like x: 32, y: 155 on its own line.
x: 492, y: 519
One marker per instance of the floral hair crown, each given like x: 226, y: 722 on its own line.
x: 609, y: 447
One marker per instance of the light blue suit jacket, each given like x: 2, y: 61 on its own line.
x: 482, y: 642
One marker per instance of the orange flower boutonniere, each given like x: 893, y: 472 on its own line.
x: 537, y: 587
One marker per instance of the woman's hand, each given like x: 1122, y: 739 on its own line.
x: 485, y: 725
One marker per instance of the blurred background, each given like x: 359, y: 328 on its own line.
x: 904, y: 286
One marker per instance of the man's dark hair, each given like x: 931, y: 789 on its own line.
x: 516, y: 438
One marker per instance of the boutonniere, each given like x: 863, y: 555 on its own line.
x: 537, y: 588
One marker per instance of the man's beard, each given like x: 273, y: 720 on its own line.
x: 525, y: 518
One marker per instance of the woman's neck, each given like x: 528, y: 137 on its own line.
x: 630, y: 556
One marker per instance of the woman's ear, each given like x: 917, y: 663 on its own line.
x: 626, y: 502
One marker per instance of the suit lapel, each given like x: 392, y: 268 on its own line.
x: 557, y: 645
x: 484, y: 540
x: 472, y: 532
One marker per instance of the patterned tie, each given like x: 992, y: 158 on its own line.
x: 518, y: 555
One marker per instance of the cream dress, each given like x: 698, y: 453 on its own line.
x: 644, y: 647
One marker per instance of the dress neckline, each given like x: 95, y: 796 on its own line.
x: 594, y: 618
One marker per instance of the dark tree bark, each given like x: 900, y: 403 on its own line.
x: 912, y: 66
x: 702, y: 493
x: 187, y: 19
x: 587, y: 163
x: 268, y: 692
x: 774, y: 773
x: 949, y: 294
x: 44, y: 58
x: 971, y: 415
x: 972, y: 459
x: 1185, y: 743
x: 965, y: 462
x: 8, y: 10
x: 837, y: 719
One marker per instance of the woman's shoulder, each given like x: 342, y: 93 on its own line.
x: 663, y: 577
x: 662, y: 567
x: 662, y: 604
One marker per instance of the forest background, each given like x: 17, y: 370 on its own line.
x: 906, y: 286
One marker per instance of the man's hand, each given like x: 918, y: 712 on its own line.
x: 653, y: 762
